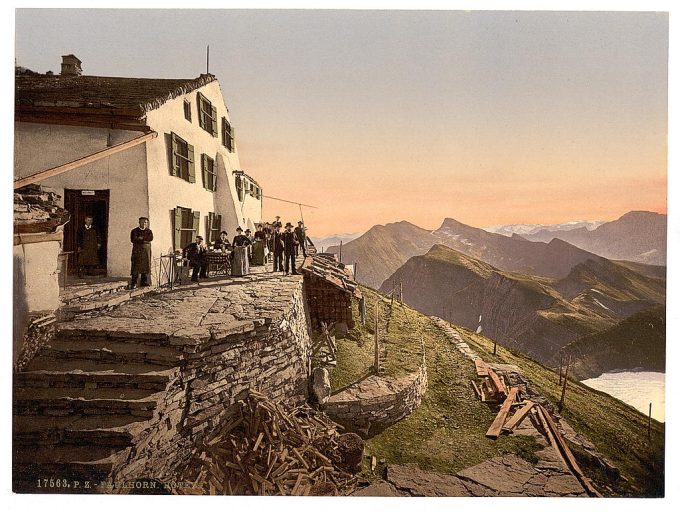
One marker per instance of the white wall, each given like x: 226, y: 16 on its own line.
x: 167, y: 192
x: 36, y: 268
x: 38, y: 147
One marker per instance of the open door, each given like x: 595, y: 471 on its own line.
x: 80, y: 204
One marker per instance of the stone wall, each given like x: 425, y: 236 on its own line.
x: 327, y: 303
x: 268, y: 354
x: 377, y: 402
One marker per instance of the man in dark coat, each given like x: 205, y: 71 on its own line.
x: 277, y: 248
x: 290, y: 243
x: 222, y: 244
x: 88, y: 242
x: 302, y: 238
x: 196, y: 252
x: 141, y: 238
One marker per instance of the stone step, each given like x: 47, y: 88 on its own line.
x: 95, y: 379
x: 33, y: 477
x: 123, y: 353
x: 65, y: 454
x: 66, y: 406
x: 56, y: 364
x: 82, y: 393
x: 44, y: 431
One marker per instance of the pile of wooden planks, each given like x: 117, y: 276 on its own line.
x: 268, y: 451
x: 492, y: 389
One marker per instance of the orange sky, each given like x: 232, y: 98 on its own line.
x: 489, y: 117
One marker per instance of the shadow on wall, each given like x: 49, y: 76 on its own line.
x: 20, y: 307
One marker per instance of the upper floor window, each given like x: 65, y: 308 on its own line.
x: 187, y: 110
x: 209, y: 173
x: 182, y: 163
x: 227, y: 135
x: 207, y: 115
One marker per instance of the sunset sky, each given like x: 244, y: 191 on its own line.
x: 374, y: 117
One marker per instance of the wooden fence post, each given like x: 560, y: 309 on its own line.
x: 561, y: 363
x: 401, y: 292
x: 376, y: 348
x: 564, y: 385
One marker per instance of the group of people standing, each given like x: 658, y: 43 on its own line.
x: 284, y: 245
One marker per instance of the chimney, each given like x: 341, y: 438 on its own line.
x: 70, y: 65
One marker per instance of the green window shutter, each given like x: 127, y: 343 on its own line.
x: 204, y: 170
x: 208, y: 226
x: 177, y: 241
x: 174, y: 166
x: 197, y: 222
x: 214, y: 121
x: 201, y: 118
x: 232, y: 139
x: 192, y: 164
x: 218, y: 227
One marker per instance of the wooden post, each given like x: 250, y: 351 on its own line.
x: 355, y: 271
x: 649, y: 423
x: 494, y: 347
x: 362, y: 310
x: 340, y: 250
x: 561, y: 362
x: 376, y: 348
x: 401, y: 292
x: 564, y: 385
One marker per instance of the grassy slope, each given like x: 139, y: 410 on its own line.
x: 446, y: 433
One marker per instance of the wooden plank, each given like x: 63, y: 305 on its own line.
x: 518, y: 417
x: 481, y: 367
x: 567, y: 455
x: 476, y: 388
x: 497, y: 424
x: 496, y: 383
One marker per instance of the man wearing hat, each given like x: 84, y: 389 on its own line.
x: 140, y: 261
x: 277, y: 247
x: 196, y: 253
x: 302, y: 239
x: 290, y: 243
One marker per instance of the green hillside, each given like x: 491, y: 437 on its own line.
x: 446, y: 433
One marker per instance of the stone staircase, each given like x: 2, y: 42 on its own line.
x: 79, y: 403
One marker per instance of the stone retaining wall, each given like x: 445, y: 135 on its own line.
x: 377, y: 402
x: 268, y: 354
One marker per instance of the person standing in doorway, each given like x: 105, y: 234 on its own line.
x: 290, y: 243
x: 88, y: 242
x: 141, y: 238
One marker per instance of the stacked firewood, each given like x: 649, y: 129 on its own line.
x: 268, y: 451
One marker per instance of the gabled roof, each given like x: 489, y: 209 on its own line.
x: 326, y: 267
x: 37, y: 97
x: 142, y: 94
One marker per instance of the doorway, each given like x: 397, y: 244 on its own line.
x: 81, y: 204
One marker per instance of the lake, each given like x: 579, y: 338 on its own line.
x: 636, y: 388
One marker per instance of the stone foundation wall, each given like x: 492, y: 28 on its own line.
x: 376, y: 402
x: 272, y: 356
x: 327, y: 303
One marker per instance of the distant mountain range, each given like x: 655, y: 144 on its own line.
x: 334, y: 240
x: 636, y: 236
x: 529, y: 229
x: 533, y: 314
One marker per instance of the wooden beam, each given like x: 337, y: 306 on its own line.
x: 497, y: 383
x: 518, y: 417
x: 93, y: 157
x: 497, y: 424
x: 481, y: 367
x: 567, y: 455
x: 33, y: 238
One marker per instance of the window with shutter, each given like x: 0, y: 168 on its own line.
x: 187, y: 110
x: 227, y: 135
x: 182, y: 161
x: 213, y: 227
x: 208, y: 172
x: 177, y: 239
x: 196, y: 222
x: 207, y: 115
